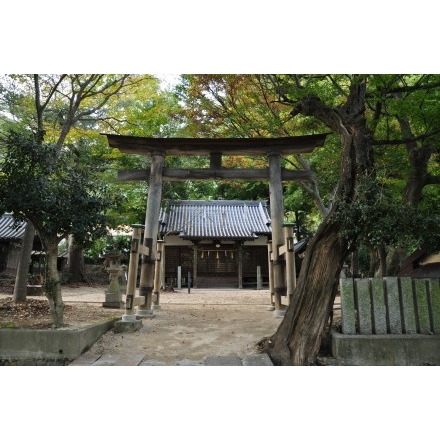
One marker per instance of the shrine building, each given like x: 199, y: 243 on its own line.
x: 221, y: 243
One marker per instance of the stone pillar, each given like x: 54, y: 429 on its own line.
x: 179, y: 277
x: 259, y: 279
x: 277, y: 219
x: 146, y: 283
x: 113, y: 295
x: 348, y: 306
x: 364, y: 305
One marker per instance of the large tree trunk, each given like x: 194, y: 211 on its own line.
x: 418, y: 178
x: 21, y: 278
x: 298, y: 338
x: 382, y: 262
x: 52, y: 285
x: 373, y: 261
x: 76, y: 262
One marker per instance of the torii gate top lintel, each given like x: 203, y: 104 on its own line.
x: 226, y: 146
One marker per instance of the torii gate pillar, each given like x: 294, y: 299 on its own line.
x: 148, y: 250
x: 277, y: 219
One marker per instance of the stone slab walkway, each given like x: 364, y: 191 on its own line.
x: 253, y: 360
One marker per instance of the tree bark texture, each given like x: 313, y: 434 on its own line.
x: 76, y: 261
x: 21, y: 278
x: 53, y: 285
x: 298, y: 338
x: 373, y: 261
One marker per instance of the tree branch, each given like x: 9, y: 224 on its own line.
x: 432, y: 180
x: 384, y: 142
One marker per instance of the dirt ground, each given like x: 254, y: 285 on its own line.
x: 189, y: 326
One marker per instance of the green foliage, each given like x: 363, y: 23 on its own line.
x: 107, y: 243
x: 49, y: 187
x: 206, y: 105
x: 402, y: 113
x: 377, y: 219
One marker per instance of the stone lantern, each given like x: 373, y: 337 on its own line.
x: 113, y: 295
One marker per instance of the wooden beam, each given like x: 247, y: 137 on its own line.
x: 208, y: 173
x: 144, y: 250
x: 226, y: 146
x: 139, y: 301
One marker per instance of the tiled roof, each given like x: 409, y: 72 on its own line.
x: 221, y: 219
x: 9, y: 229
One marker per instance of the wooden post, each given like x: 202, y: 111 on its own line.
x: 277, y: 218
x: 270, y: 266
x: 157, y: 277
x: 162, y: 267
x: 179, y: 277
x: 195, y: 250
x: 290, y: 261
x: 130, y: 300
x: 240, y: 265
x: 150, y: 235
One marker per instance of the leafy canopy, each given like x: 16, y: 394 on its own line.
x: 46, y: 186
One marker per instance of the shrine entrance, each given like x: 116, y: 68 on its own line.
x: 222, y: 243
x: 280, y: 249
x: 216, y: 268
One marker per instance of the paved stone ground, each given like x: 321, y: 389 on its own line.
x: 253, y: 360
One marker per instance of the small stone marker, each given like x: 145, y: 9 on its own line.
x: 347, y: 306
x: 409, y: 324
x: 393, y: 305
x: 364, y: 306
x: 422, y: 306
x: 379, y: 308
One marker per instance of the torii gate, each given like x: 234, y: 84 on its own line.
x: 281, y: 282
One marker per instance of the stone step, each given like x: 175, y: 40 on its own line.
x: 223, y: 361
x: 252, y: 360
x: 257, y: 360
x: 85, y: 360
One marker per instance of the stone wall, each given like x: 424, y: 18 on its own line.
x: 390, y: 306
x: 390, y: 321
x: 49, y: 346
